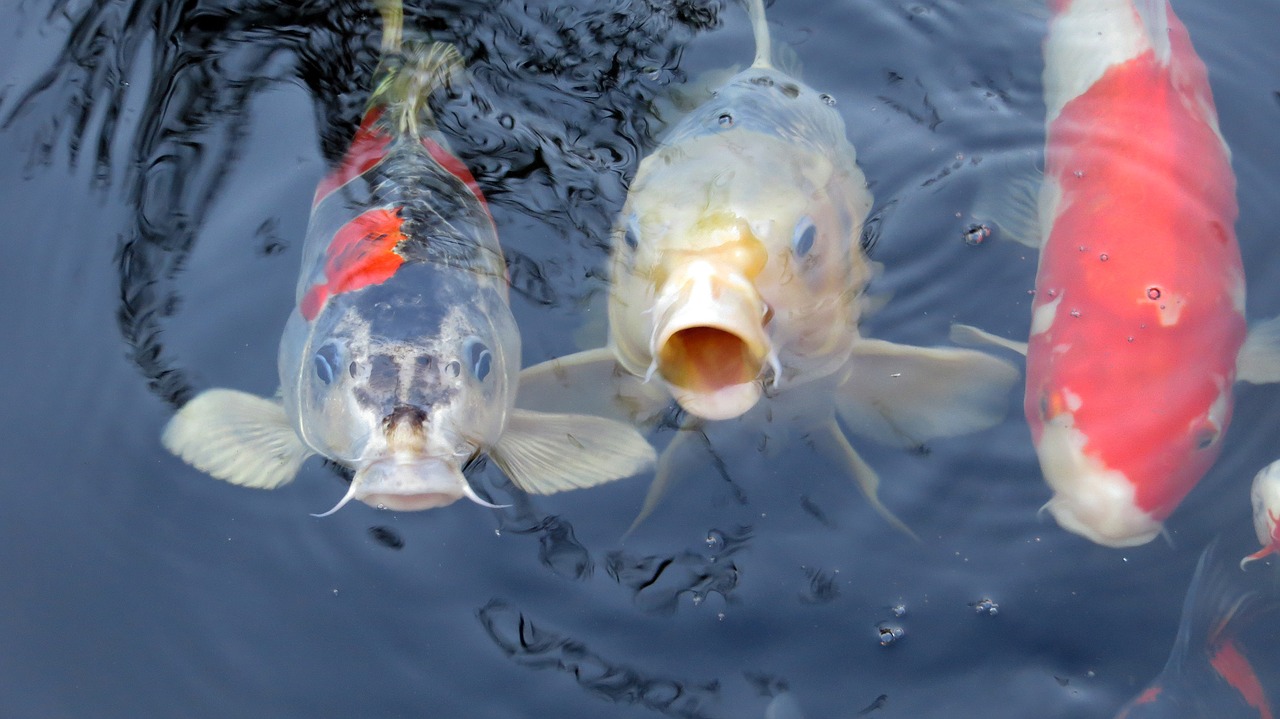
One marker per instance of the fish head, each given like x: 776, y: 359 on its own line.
x: 406, y: 387
x: 1265, y: 498
x: 1118, y: 467
x: 737, y: 262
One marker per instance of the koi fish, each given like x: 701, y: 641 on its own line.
x: 1208, y: 674
x: 1138, y: 327
x: 401, y: 358
x: 737, y: 277
x: 1265, y: 496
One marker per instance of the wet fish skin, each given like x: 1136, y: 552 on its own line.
x: 401, y: 358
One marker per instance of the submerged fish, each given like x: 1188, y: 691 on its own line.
x: 1138, y: 321
x: 1208, y: 675
x: 737, y: 276
x: 1265, y: 496
x: 401, y: 357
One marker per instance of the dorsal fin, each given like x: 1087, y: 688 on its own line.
x: 1155, y: 20
x: 760, y: 28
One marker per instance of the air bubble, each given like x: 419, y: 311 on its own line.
x: 508, y: 122
x: 453, y: 369
x: 1153, y: 293
x: 828, y: 100
x: 1075, y: 313
x: 986, y: 606
x: 976, y: 235
x: 1104, y: 257
x: 899, y: 610
x: 889, y: 633
x: 725, y: 120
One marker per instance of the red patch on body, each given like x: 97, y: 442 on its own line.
x: 1234, y: 667
x: 1148, y: 695
x: 367, y: 149
x: 362, y: 253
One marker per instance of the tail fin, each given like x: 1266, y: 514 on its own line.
x: 1221, y: 605
x: 410, y: 72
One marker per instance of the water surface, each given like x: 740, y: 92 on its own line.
x: 158, y: 161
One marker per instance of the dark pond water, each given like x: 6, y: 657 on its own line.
x: 157, y: 163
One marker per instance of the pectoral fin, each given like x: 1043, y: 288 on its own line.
x: 1011, y: 199
x: 971, y: 336
x: 665, y: 476
x: 903, y: 395
x: 591, y: 382
x: 829, y: 440
x: 238, y: 437
x: 544, y: 453
x: 1259, y: 358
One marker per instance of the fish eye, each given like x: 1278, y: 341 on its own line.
x: 803, y: 237
x: 631, y: 235
x: 1205, y: 437
x: 326, y: 363
x: 479, y: 358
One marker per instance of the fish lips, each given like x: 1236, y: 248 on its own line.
x: 409, y: 485
x: 709, y: 340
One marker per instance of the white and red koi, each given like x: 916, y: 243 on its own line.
x: 401, y: 358
x: 1138, y: 321
x: 1265, y: 496
x: 1209, y: 674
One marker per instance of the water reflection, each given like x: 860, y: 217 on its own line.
x: 657, y: 582
x: 537, y: 648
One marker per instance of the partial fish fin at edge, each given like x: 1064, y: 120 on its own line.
x: 237, y: 437
x: 545, y: 453
x: 1259, y: 358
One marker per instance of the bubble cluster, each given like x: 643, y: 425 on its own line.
x: 986, y: 607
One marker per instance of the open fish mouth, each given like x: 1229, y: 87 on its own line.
x: 709, y: 340
x: 409, y: 485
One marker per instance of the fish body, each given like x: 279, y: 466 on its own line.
x: 401, y: 357
x: 1265, y: 497
x: 1138, y: 315
x: 737, y: 280
x: 1208, y: 674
